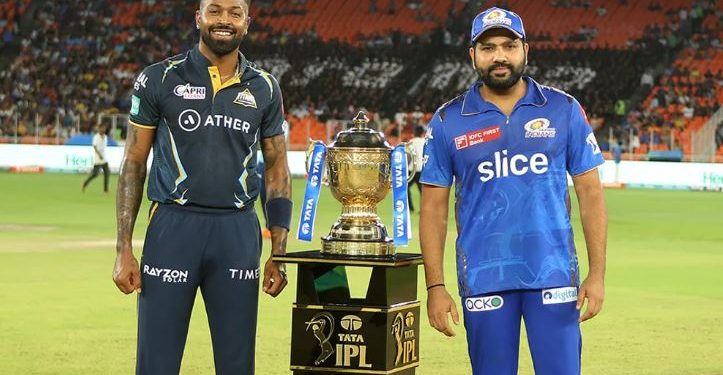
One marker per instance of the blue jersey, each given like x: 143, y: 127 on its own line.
x: 511, y: 193
x: 207, y: 132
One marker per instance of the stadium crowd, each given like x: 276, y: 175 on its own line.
x: 79, y: 59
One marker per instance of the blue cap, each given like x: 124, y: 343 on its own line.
x: 497, y: 17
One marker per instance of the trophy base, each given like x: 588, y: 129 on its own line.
x: 357, y: 248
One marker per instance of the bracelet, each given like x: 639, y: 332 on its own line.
x: 434, y: 286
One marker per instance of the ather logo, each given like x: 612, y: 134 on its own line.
x: 518, y: 165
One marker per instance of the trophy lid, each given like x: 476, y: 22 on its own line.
x: 360, y: 135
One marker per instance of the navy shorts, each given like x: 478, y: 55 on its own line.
x: 553, y: 331
x: 187, y: 248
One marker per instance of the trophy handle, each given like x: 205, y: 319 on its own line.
x: 309, y: 151
x: 411, y: 168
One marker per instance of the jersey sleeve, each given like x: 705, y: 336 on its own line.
x: 583, y: 152
x: 437, y: 169
x: 273, y: 120
x: 145, y: 108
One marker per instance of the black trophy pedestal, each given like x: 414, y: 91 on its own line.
x: 333, y: 333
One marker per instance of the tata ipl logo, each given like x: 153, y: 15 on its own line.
x: 404, y: 338
x: 322, y: 325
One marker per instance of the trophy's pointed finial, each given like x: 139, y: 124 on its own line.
x: 361, y: 120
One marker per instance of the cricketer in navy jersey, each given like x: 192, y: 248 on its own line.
x: 507, y: 146
x: 205, y: 113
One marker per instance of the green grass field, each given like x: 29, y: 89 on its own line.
x: 60, y: 313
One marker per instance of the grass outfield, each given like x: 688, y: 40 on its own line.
x: 60, y: 313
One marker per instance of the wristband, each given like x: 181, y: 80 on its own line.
x: 278, y: 212
x: 434, y: 286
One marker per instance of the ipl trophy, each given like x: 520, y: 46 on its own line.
x: 333, y: 332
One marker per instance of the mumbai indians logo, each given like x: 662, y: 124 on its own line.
x: 488, y: 303
x: 496, y: 17
x: 322, y: 325
x: 593, y: 143
x: 539, y: 128
x: 404, y: 338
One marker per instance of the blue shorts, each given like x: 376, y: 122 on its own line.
x: 553, y: 331
x: 191, y: 248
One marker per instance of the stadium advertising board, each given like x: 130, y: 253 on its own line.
x: 664, y: 175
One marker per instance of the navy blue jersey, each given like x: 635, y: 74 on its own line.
x: 207, y: 132
x: 510, y: 176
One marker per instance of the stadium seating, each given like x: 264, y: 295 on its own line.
x: 398, y: 58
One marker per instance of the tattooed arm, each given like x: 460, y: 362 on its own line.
x: 278, y: 185
x: 126, y: 273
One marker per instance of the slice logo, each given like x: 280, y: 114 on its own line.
x: 478, y: 136
x: 559, y: 295
x: 480, y: 304
x: 190, y: 92
x: 246, y: 99
x: 539, y: 128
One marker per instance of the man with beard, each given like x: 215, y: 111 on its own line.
x: 507, y: 144
x: 205, y: 113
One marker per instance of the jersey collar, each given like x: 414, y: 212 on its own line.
x: 474, y: 104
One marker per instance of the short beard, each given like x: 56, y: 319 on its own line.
x: 221, y: 48
x: 501, y: 84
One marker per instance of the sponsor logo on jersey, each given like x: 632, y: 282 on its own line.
x: 135, y: 105
x: 246, y: 99
x: 517, y: 165
x: 189, y: 120
x: 167, y: 275
x: 242, y: 274
x: 190, y: 92
x: 592, y: 142
x: 140, y: 81
x: 559, y: 295
x: 478, y: 136
x: 539, y: 128
x: 480, y: 304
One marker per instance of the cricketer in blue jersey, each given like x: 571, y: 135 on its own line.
x: 205, y: 112
x: 507, y: 146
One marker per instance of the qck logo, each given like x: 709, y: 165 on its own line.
x: 559, y: 295
x: 488, y: 303
x: 190, y: 92
x: 167, y: 275
x: 518, y: 165
x: 539, y: 128
x: 140, y: 82
x: 593, y: 143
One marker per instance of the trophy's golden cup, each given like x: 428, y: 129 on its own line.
x: 358, y: 172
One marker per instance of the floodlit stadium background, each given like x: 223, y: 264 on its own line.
x: 647, y: 72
